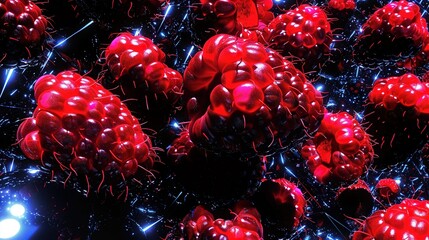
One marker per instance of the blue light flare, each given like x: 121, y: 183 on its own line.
x: 9, y: 73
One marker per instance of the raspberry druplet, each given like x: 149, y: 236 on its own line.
x: 397, y: 115
x: 243, y: 97
x: 407, y: 220
x: 340, y: 150
x: 81, y: 128
x: 137, y: 67
x: 387, y: 188
x: 304, y: 32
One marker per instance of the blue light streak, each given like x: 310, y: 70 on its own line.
x: 9, y: 73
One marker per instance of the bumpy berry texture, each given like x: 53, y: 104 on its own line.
x: 304, y: 32
x: 235, y: 17
x: 341, y: 150
x: 246, y: 98
x: 407, y: 220
x: 397, y: 29
x: 200, y: 224
x: 397, y: 115
x: 137, y: 65
x: 21, y: 21
x: 213, y: 174
x: 355, y: 200
x: 80, y: 127
x: 387, y: 188
x: 281, y: 203
x: 341, y: 5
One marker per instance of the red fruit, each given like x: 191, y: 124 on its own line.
x: 81, y: 127
x: 401, y: 19
x: 139, y: 57
x: 137, y: 66
x: 247, y: 98
x: 355, y: 200
x: 340, y: 150
x: 280, y: 202
x: 397, y: 29
x: 304, y: 32
x: 342, y: 4
x: 407, y: 220
x: 406, y: 90
x: 22, y: 20
x: 199, y: 224
x: 387, y: 188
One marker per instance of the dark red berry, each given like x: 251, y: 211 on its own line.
x: 245, y: 97
x: 80, y: 127
x: 340, y: 150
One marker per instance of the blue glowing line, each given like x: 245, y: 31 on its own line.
x: 165, y: 16
x: 11, y: 165
x: 78, y: 31
x: 151, y: 225
x: 9, y: 73
x: 189, y: 53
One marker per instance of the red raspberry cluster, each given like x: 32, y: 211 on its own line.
x: 341, y: 5
x: 401, y: 19
x: 407, y: 220
x: 304, y: 32
x: 22, y: 20
x: 80, y: 127
x: 230, y: 16
x: 397, y: 27
x: 398, y: 112
x: 406, y: 90
x: 340, y: 150
x: 247, y: 98
x: 200, y: 224
x: 281, y: 203
x: 139, y: 72
x: 139, y: 58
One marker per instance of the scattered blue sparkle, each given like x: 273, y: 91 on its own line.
x: 137, y: 32
x: 33, y: 171
x: 320, y: 88
x: 9, y: 73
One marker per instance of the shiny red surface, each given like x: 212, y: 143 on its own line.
x: 84, y: 128
x: 340, y: 150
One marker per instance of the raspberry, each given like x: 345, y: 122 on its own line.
x: 210, y: 176
x: 80, y: 127
x: 247, y: 98
x: 387, y: 188
x: 233, y: 17
x: 397, y: 115
x: 304, y: 32
x: 355, y: 200
x: 397, y: 29
x: 341, y: 5
x: 200, y: 224
x: 407, y: 220
x: 20, y: 21
x: 281, y: 203
x: 136, y: 64
x: 340, y: 150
